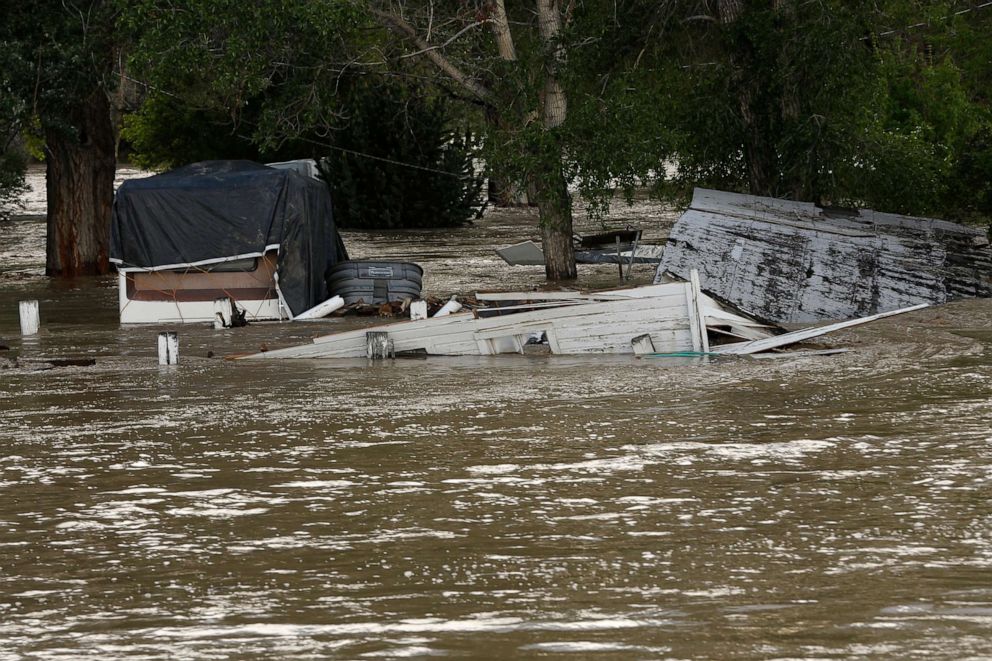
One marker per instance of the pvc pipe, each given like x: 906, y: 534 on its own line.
x: 30, y: 322
x: 449, y: 307
x: 321, y: 309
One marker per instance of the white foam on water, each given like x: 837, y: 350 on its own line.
x: 590, y: 647
x: 315, y: 484
x: 492, y: 624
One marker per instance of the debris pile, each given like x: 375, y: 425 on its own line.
x: 666, y: 319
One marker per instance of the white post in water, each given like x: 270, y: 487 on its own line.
x: 29, y: 318
x: 222, y: 313
x: 418, y: 310
x: 450, y: 307
x: 168, y: 348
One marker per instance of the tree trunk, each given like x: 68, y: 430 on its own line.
x: 759, y: 151
x: 80, y: 183
x: 550, y: 187
x: 555, y: 209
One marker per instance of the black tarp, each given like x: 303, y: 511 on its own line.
x: 212, y: 211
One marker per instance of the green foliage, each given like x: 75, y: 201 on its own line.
x: 396, y: 164
x: 833, y: 100
x: 275, y: 79
x: 266, y: 69
x: 164, y: 134
x: 11, y: 181
x: 772, y: 102
x: 807, y: 100
x: 54, y: 56
x: 15, y: 113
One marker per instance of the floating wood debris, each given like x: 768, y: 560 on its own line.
x: 660, y: 319
x: 576, y: 323
x: 795, y: 262
x: 45, y: 364
x: 674, y: 319
x: 168, y: 348
x: 777, y: 341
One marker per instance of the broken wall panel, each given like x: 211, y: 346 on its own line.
x: 794, y: 262
x: 671, y: 315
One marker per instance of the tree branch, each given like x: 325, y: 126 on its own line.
x: 446, y: 43
x: 401, y: 27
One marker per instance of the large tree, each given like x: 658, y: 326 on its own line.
x: 65, y: 55
x: 836, y: 101
x: 546, y: 82
x: 551, y: 76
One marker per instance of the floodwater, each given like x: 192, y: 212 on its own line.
x: 504, y: 507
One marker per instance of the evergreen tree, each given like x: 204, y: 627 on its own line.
x: 397, y: 164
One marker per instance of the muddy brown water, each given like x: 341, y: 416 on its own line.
x: 506, y: 507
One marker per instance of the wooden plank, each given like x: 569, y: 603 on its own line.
x: 648, y: 291
x: 605, y: 327
x: 528, y: 296
x: 743, y: 348
x: 582, y: 315
x: 433, y: 325
x: 454, y: 329
x: 696, y: 316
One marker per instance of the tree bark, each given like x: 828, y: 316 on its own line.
x: 555, y: 209
x: 501, y: 32
x: 553, y: 201
x: 759, y: 150
x: 80, y: 185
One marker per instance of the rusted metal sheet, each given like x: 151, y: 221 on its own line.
x: 795, y: 262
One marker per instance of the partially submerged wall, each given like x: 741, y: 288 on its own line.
x: 794, y: 262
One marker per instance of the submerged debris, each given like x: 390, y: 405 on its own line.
x: 400, y: 309
x: 43, y: 364
x: 795, y: 262
x: 674, y: 318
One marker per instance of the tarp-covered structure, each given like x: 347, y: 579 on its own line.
x: 218, y: 211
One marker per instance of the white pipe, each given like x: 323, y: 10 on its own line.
x: 30, y: 322
x: 450, y: 307
x: 321, y: 309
